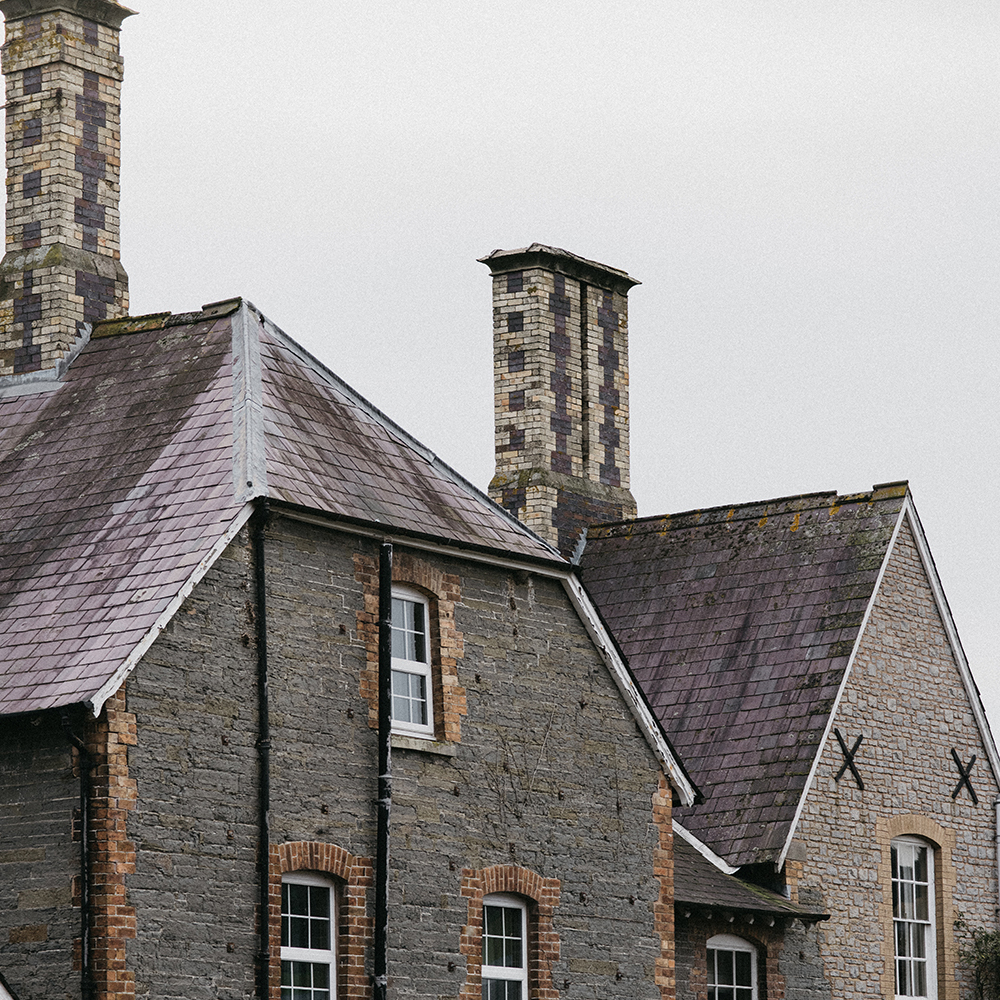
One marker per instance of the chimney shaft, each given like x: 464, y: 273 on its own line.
x: 560, y: 363
x: 61, y: 269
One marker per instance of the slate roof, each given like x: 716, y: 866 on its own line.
x: 738, y: 624
x: 697, y: 882
x: 118, y: 486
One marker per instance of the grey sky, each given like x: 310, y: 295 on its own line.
x: 808, y: 192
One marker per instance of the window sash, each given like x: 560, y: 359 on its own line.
x: 308, y: 938
x: 504, y: 949
x: 913, y: 919
x: 731, y: 968
x: 412, y: 702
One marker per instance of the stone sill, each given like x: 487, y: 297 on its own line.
x: 400, y: 742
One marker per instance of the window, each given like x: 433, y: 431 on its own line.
x: 732, y: 968
x: 913, y: 921
x: 412, y: 690
x: 308, y: 938
x: 505, y: 953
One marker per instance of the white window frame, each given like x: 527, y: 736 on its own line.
x: 914, y: 929
x: 312, y: 956
x: 415, y: 668
x: 507, y: 974
x: 730, y: 943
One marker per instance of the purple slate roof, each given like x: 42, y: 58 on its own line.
x: 738, y: 623
x: 117, y: 486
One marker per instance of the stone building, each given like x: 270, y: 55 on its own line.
x: 243, y: 612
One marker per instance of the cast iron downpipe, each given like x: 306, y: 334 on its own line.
x: 86, y: 764
x: 384, y: 770
x: 263, y: 753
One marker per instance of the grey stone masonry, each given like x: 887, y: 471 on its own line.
x: 39, y: 858
x: 548, y: 774
x: 905, y: 697
x: 560, y: 335
x: 61, y: 269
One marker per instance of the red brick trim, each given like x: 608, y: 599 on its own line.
x: 663, y: 908
x: 443, y: 591
x: 355, y: 876
x: 112, y: 854
x: 768, y: 942
x: 542, y: 895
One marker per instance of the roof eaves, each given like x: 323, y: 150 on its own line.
x: 110, y: 686
x: 703, y: 849
x: 649, y: 724
x: 372, y: 411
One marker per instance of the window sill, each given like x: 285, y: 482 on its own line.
x: 401, y: 742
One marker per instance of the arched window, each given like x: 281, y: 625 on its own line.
x: 412, y: 688
x: 913, y: 918
x: 308, y: 937
x: 732, y: 968
x: 505, y: 947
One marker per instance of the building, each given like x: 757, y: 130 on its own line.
x: 242, y: 610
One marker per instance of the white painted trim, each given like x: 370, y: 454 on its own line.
x: 965, y: 672
x: 97, y: 700
x: 4, y: 995
x: 249, y: 464
x: 629, y: 690
x: 703, y: 849
x: 821, y: 746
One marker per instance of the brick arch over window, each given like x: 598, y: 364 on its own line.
x: 542, y: 897
x: 443, y: 591
x: 355, y: 931
x: 942, y: 840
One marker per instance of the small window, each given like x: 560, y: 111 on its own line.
x: 913, y: 920
x: 308, y: 938
x: 732, y: 968
x: 505, y: 952
x: 412, y: 690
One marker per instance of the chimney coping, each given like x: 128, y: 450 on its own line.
x: 557, y: 259
x: 104, y: 12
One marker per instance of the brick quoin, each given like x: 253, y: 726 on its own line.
x: 542, y: 895
x: 355, y: 932
x: 663, y: 908
x: 112, y: 854
x: 443, y: 591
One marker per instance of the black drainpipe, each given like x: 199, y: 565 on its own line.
x: 86, y: 764
x: 263, y: 754
x: 384, y: 771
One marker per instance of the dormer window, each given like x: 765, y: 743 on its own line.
x: 412, y: 689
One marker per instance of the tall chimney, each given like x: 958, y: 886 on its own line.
x: 61, y: 269
x: 560, y: 376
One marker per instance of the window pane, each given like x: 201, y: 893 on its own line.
x: 724, y: 967
x: 319, y: 901
x: 298, y: 898
x: 299, y: 937
x: 743, y: 969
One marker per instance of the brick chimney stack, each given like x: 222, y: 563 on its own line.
x: 61, y: 269
x: 560, y: 371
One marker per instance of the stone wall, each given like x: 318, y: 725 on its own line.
x: 905, y: 697
x: 39, y: 858
x: 546, y: 774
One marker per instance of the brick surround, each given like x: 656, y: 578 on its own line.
x: 355, y: 876
x: 61, y: 269
x: 443, y: 592
x: 663, y: 908
x: 543, y: 941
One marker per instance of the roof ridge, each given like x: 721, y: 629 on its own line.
x: 747, y: 510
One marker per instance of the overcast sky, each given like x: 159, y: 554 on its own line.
x: 807, y: 191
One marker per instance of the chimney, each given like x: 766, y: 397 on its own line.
x: 61, y: 269
x: 560, y: 376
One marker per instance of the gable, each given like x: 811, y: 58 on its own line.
x: 738, y: 624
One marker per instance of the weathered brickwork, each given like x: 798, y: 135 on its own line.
x: 663, y: 908
x: 906, y: 698
x: 39, y: 857
x: 442, y: 591
x: 543, y: 940
x: 561, y: 396
x: 61, y: 268
x: 355, y: 878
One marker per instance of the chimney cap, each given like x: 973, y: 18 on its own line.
x: 556, y: 259
x: 104, y: 12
